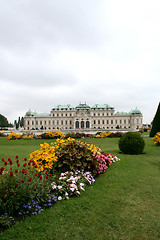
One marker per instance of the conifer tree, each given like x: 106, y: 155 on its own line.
x: 156, y: 123
x: 3, y: 121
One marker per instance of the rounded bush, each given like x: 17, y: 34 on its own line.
x: 75, y: 155
x: 131, y: 143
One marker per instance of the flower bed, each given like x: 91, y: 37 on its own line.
x: 52, y: 173
x: 157, y: 139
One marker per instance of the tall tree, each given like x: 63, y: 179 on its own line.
x: 3, y: 121
x: 156, y: 123
x: 22, y: 122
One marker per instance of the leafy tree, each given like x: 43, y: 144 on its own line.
x: 3, y: 121
x: 156, y: 123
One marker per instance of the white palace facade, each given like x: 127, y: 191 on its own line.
x: 84, y: 118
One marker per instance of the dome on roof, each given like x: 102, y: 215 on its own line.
x: 83, y: 106
x: 136, y: 111
x: 29, y: 113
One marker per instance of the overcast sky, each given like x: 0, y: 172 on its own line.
x: 70, y: 51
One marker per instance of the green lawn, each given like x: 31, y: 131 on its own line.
x: 123, y: 203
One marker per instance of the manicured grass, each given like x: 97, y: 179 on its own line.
x: 123, y: 203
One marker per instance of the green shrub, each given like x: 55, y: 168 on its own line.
x: 131, y: 143
x: 75, y: 156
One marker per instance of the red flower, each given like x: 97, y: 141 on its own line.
x: 10, y: 168
x: 5, y: 192
x: 16, y: 156
x: 25, y: 159
x: 30, y: 179
x: 10, y: 162
x: 50, y: 175
x: 16, y: 170
x: 2, y: 169
x: 5, y: 163
x: 46, y: 176
x: 24, y: 165
x: 55, y: 177
x: 28, y: 167
x: 16, y: 185
x: 45, y: 172
x: 11, y: 174
x: 29, y: 163
x: 36, y: 174
x: 17, y: 161
x: 23, y: 171
x: 53, y: 169
x: 40, y: 177
x: 3, y: 160
x: 22, y: 181
x: 9, y: 159
x: 18, y: 164
x: 46, y: 181
x: 0, y: 172
x: 35, y: 166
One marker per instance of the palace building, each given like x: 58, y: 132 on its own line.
x: 84, y: 118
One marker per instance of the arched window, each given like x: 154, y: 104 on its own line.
x: 87, y: 124
x: 82, y: 124
x: 77, y: 124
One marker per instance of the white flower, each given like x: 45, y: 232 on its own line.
x: 72, y: 189
x: 59, y: 187
x: 82, y: 188
x: 66, y: 193
x: 78, y: 192
x: 59, y: 198
x: 81, y: 184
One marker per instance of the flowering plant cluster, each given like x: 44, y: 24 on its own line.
x: 157, y: 139
x: 27, y: 137
x: 14, y: 135
x: 53, y: 134
x: 21, y: 183
x: 103, y: 135
x: 65, y: 155
x: 44, y: 158
x: 52, y: 173
x: 71, y: 183
x: 104, y: 161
